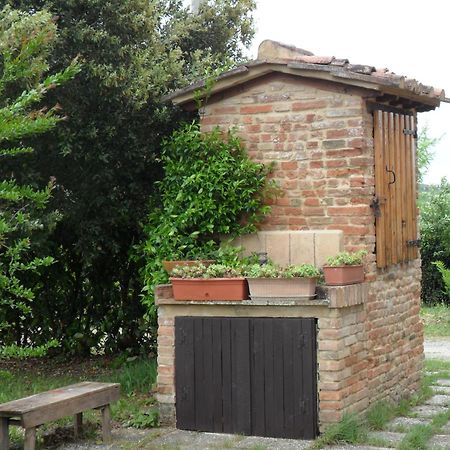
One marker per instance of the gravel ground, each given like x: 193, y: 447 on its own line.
x: 437, y: 349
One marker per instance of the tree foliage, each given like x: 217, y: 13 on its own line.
x: 25, y: 43
x: 425, y: 154
x: 104, y: 159
x: 435, y: 240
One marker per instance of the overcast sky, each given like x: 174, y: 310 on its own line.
x: 410, y: 38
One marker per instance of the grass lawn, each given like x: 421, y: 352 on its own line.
x: 436, y: 320
x: 136, y: 407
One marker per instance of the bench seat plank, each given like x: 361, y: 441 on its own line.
x: 57, y: 403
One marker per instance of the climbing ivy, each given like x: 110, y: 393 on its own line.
x: 210, y: 189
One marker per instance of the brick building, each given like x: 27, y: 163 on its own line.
x: 343, y: 139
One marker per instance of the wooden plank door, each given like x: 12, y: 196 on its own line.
x: 252, y: 376
x: 395, y: 187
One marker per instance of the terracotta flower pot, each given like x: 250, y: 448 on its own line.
x: 282, y: 287
x: 205, y: 289
x: 170, y: 265
x: 342, y: 275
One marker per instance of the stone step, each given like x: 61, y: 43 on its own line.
x: 438, y: 400
x: 439, y: 441
x: 443, y: 389
x: 406, y: 422
x: 427, y: 411
x: 389, y: 437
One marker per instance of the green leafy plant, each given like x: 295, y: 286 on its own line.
x: 347, y: 259
x: 201, y: 271
x: 133, y: 53
x: 435, y: 240
x: 275, y: 271
x: 26, y: 41
x: 210, y: 189
x: 14, y: 351
x: 445, y: 275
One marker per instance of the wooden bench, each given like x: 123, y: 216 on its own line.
x: 30, y: 412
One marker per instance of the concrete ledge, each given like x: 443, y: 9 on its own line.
x: 330, y: 296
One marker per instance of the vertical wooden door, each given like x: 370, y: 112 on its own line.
x: 395, y: 187
x: 252, y: 376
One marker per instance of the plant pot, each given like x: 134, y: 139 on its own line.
x: 282, y: 287
x: 342, y: 275
x: 204, y: 289
x: 170, y: 265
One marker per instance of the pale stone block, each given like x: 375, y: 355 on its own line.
x: 302, y: 247
x: 327, y: 243
x: 252, y: 243
x: 277, y: 247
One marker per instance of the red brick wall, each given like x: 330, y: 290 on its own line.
x: 320, y: 137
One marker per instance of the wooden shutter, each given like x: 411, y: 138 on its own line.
x: 395, y: 187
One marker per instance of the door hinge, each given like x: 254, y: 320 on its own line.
x: 412, y: 133
x: 413, y: 243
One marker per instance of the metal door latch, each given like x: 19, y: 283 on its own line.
x: 375, y: 205
x: 413, y: 243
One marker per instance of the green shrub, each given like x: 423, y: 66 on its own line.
x: 14, y: 351
x: 435, y: 240
x: 210, y: 189
x: 445, y: 276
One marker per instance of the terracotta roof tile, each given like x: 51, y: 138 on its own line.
x: 275, y: 53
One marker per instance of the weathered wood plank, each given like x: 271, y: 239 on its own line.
x: 258, y: 381
x: 240, y: 353
x: 227, y: 378
x: 380, y: 190
x: 77, y: 424
x: 184, y: 372
x: 397, y: 186
x: 51, y: 405
x: 385, y: 182
x: 279, y: 377
x: 269, y: 384
x: 30, y: 439
x: 391, y: 190
x: 403, y: 175
x: 415, y: 251
x: 4, y: 436
x: 216, y: 350
x: 106, y: 423
x: 70, y: 407
x: 55, y: 396
x: 409, y: 207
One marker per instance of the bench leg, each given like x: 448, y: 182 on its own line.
x: 77, y: 424
x: 4, y: 436
x: 106, y: 423
x: 30, y: 439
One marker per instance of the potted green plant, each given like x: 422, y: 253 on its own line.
x: 169, y: 265
x: 270, y: 280
x: 214, y: 282
x: 344, y: 268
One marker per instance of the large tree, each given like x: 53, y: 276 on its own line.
x: 25, y: 44
x: 104, y: 159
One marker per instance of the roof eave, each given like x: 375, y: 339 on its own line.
x: 255, y: 69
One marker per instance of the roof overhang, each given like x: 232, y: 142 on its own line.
x: 274, y: 57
